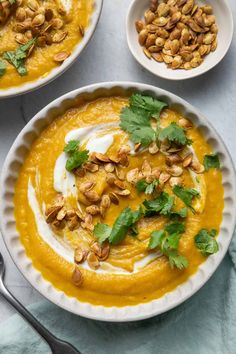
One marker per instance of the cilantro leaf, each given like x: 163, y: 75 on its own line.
x: 162, y: 204
x: 177, y: 260
x: 125, y: 220
x: 171, y: 242
x: 152, y: 187
x: 102, y: 232
x: 147, y: 188
x: 186, y: 195
x: 206, y: 243
x: 182, y: 213
x: 131, y: 121
x: 138, y: 126
x: 141, y: 185
x: 156, y: 239
x: 143, y: 135
x: 211, y: 161
x: 147, y: 103
x: 135, y: 119
x: 167, y: 241
x: 137, y: 214
x: 174, y: 133
x: 71, y: 146
x: 2, y: 68
x: 17, y: 57
x: 175, y: 227
x: 168, y: 205
x: 77, y: 159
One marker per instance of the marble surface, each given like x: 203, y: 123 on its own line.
x: 107, y: 58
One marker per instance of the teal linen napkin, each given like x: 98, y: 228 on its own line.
x: 205, y: 324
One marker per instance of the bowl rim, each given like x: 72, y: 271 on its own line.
x: 191, y: 73
x: 59, y: 70
x: 127, y: 313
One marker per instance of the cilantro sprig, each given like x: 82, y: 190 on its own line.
x: 126, y: 220
x: 17, y: 57
x: 76, y: 157
x: 151, y: 105
x: 162, y: 205
x: 174, y: 133
x: 102, y: 232
x: 136, y: 119
x: 206, y: 242
x: 2, y: 68
x: 167, y: 241
x: 186, y: 195
x: 211, y: 161
x: 147, y: 188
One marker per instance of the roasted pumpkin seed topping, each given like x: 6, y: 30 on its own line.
x: 178, y: 32
x: 104, y: 179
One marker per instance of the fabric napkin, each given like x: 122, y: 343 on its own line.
x: 204, y: 324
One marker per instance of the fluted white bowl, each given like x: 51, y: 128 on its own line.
x: 33, y: 85
x: 224, y: 20
x: 10, y: 172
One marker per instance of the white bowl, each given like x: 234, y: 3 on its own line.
x: 224, y: 20
x: 10, y: 174
x: 33, y: 85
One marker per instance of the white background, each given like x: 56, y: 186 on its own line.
x: 107, y: 58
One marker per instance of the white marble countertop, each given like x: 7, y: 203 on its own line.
x: 107, y: 58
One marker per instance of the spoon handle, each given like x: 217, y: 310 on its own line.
x: 58, y: 346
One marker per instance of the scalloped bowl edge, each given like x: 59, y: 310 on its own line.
x: 9, y: 176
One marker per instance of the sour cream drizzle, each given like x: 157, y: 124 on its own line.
x: 66, y: 4
x: 64, y: 181
x: 62, y: 248
x: 44, y: 230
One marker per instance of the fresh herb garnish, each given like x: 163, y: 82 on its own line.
x: 76, y: 157
x: 176, y: 260
x: 174, y: 133
x: 102, y: 232
x: 138, y: 126
x: 167, y: 241
x: 71, y: 146
x: 211, y: 161
x: 186, y: 195
x: 206, y: 242
x: 125, y: 221
x: 135, y: 119
x: 175, y: 227
x: 147, y: 188
x: 162, y: 204
x: 156, y: 239
x: 2, y: 68
x: 182, y: 213
x: 17, y: 57
x: 147, y: 103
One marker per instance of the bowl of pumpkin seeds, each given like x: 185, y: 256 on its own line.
x: 179, y: 39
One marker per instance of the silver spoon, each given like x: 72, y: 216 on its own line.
x: 57, y: 346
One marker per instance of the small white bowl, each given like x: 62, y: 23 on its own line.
x: 33, y: 85
x: 10, y: 173
x: 224, y: 20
